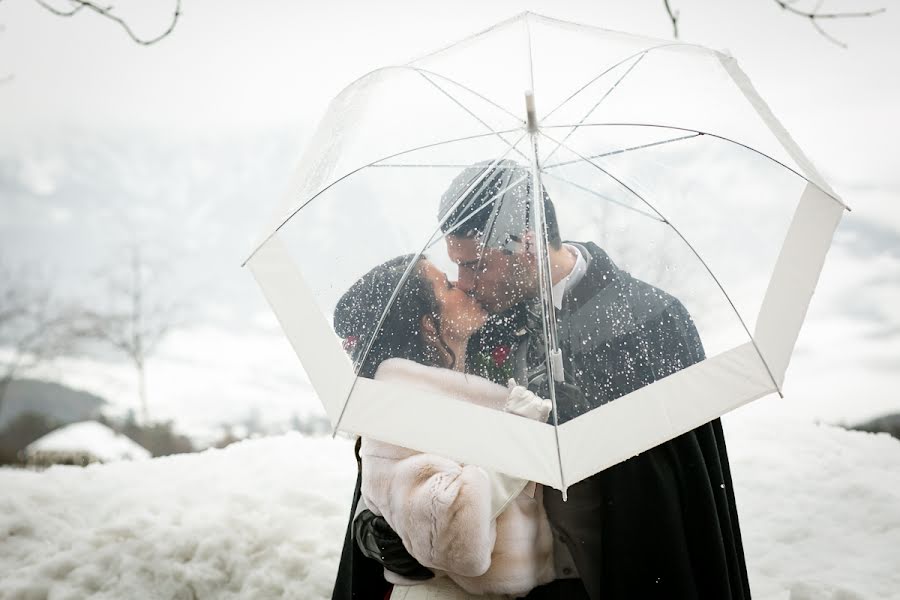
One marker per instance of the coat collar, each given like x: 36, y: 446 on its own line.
x: 601, y: 272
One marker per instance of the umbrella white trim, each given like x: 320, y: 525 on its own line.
x: 294, y: 304
x: 522, y: 448
x: 795, y: 276
x: 663, y: 410
x: 762, y: 109
x: 396, y: 413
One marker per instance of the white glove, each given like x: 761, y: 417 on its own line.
x: 526, y: 404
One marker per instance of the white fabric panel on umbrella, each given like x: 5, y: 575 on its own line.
x: 743, y: 82
x: 795, y: 277
x: 655, y: 413
x: 319, y: 350
x: 392, y: 412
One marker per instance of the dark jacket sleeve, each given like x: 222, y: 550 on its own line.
x: 358, y: 577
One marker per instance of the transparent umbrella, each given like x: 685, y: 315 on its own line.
x: 693, y: 230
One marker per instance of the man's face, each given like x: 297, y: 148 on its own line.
x: 496, y: 278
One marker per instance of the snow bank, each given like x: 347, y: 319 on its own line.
x: 819, y: 508
x: 259, y: 519
x: 92, y: 438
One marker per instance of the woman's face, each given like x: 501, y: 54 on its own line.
x: 461, y: 315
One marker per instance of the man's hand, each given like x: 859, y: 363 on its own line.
x: 526, y: 404
x: 379, y: 542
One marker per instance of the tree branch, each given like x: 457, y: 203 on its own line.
x: 106, y: 11
x: 58, y: 12
x: 815, y: 16
x: 673, y: 16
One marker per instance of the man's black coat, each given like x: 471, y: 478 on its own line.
x: 358, y: 577
x: 661, y: 525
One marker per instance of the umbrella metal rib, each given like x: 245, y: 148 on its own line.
x: 546, y: 284
x: 462, y: 86
x: 366, y: 166
x: 608, y: 174
x: 459, y: 166
x: 622, y: 151
x: 547, y: 308
x: 601, y: 196
x: 545, y: 168
x: 405, y: 277
x: 621, y: 62
x: 714, y: 135
x: 599, y: 102
x: 694, y: 251
x: 530, y: 52
x: 471, y: 113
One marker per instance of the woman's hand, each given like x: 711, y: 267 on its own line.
x: 526, y: 404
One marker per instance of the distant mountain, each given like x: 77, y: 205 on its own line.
x: 885, y: 424
x: 52, y: 400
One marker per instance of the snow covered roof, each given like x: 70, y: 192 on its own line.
x: 92, y: 438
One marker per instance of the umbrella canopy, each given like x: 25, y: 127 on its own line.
x: 658, y: 160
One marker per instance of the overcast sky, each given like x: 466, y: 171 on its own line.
x: 243, y: 64
x: 266, y: 69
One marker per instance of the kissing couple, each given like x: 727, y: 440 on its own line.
x: 662, y: 524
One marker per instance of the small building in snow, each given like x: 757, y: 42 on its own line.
x: 83, y: 443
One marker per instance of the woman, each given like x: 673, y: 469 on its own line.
x: 479, y: 531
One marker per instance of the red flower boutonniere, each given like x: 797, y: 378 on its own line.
x: 495, y: 365
x: 499, y: 355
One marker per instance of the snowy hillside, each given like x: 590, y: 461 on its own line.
x: 819, y: 507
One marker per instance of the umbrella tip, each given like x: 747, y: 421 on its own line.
x: 530, y: 111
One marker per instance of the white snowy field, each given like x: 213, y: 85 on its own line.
x: 819, y: 508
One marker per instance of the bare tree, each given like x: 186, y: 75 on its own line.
x: 35, y: 328
x: 136, y: 318
x: 815, y: 16
x: 74, y: 7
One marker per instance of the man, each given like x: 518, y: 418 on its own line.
x: 661, y: 525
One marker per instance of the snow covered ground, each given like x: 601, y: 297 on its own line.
x: 819, y: 507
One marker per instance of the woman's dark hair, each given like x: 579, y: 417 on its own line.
x: 359, y: 309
